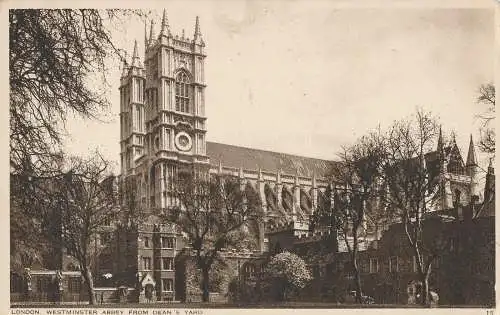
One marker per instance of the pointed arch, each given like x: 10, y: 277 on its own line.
x: 183, y: 91
x: 271, y: 198
x: 251, y: 192
x: 185, y: 72
x: 305, y: 202
x: 287, y: 199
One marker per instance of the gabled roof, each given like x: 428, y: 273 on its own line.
x: 253, y: 159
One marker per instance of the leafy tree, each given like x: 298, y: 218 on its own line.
x: 215, y: 212
x: 487, y: 97
x: 219, y: 277
x: 285, y: 273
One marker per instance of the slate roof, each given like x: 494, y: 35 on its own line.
x: 253, y: 159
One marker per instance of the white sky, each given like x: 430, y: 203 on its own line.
x: 305, y: 77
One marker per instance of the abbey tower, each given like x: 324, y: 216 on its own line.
x: 162, y: 116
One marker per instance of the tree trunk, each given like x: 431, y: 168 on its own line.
x: 204, y: 284
x: 357, y: 279
x: 425, y: 289
x: 357, y: 276
x: 90, y: 286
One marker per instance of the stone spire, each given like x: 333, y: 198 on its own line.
x: 136, y: 62
x: 197, y: 32
x: 471, y: 156
x: 440, y: 152
x: 440, y: 144
x: 165, y: 28
x: 146, y: 42
x: 453, y: 140
x: 152, y: 35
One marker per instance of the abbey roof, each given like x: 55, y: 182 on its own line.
x: 268, y: 161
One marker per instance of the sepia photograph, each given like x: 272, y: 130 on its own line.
x: 252, y: 155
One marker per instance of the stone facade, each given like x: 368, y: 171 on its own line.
x: 163, y: 131
x: 47, y: 286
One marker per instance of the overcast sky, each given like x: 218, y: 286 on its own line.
x: 305, y: 77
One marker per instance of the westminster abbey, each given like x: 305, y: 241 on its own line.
x: 163, y: 129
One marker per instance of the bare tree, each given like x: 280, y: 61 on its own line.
x: 487, y: 97
x: 81, y: 202
x: 132, y: 213
x: 52, y: 56
x: 215, y: 212
x: 411, y: 187
x: 350, y: 197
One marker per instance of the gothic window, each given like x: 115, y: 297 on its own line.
x: 146, y: 263
x: 167, y: 263
x: 167, y: 242
x: 373, y: 265
x: 167, y: 285
x: 455, y: 165
x: 249, y: 270
x: 74, y: 285
x: 182, y: 93
x: 393, y: 264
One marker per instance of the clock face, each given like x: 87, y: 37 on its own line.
x: 183, y: 141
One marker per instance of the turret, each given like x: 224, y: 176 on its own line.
x: 197, y: 33
x: 472, y: 169
x: 165, y: 33
x: 146, y: 42
x: 132, y: 112
x: 136, y: 61
x: 152, y: 35
x: 440, y: 153
x: 471, y: 156
x: 440, y: 143
x: 165, y: 28
x: 489, y: 187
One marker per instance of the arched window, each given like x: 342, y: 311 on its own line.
x: 182, y: 93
